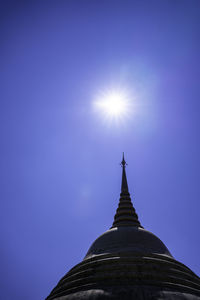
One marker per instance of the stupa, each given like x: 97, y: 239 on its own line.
x: 127, y: 262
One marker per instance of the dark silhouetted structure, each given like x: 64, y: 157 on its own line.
x: 127, y: 262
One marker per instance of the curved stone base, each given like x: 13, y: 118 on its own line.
x: 127, y: 276
x: 129, y: 293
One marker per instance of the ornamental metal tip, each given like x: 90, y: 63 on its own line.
x: 123, y: 162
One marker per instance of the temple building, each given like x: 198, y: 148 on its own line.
x: 127, y: 262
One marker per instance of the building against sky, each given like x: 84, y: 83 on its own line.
x: 127, y: 262
x: 58, y: 193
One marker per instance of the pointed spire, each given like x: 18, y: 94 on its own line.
x: 125, y: 214
x: 124, y: 185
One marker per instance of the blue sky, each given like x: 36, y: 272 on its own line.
x: 60, y: 172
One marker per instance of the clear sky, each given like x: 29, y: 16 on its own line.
x: 60, y: 172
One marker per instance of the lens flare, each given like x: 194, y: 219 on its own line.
x: 113, y: 105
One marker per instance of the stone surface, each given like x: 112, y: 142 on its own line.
x: 128, y: 293
x: 124, y: 273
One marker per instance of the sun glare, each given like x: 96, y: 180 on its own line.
x: 113, y: 105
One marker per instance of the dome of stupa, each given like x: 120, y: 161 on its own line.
x: 127, y: 239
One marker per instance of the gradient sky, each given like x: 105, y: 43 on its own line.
x: 60, y: 172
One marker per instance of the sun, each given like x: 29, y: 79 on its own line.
x: 113, y: 104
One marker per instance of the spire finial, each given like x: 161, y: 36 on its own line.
x: 123, y: 162
x: 124, y: 186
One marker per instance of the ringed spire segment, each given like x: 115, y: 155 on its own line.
x: 125, y: 214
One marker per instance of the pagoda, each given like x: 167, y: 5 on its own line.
x: 127, y: 262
